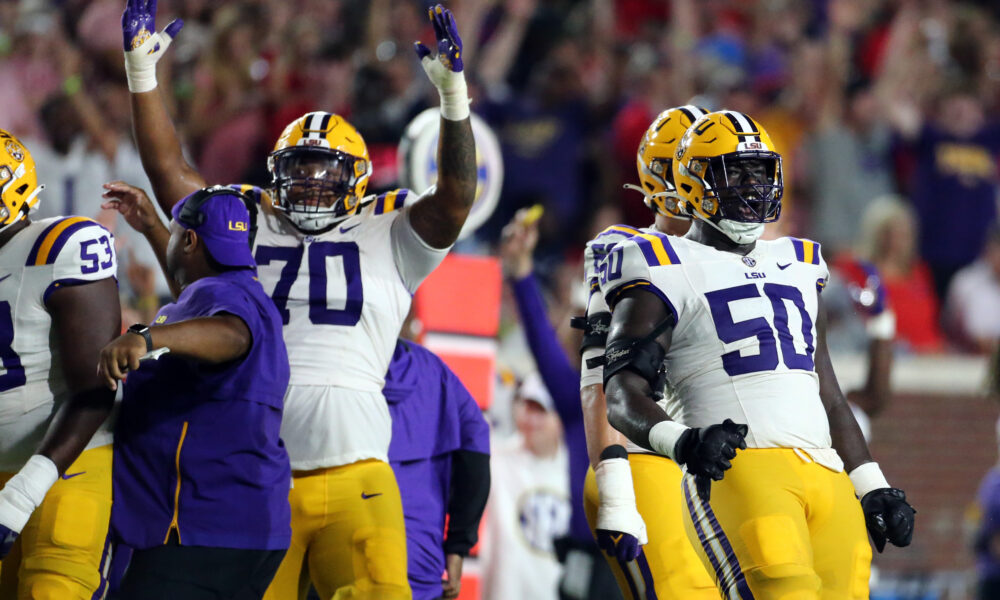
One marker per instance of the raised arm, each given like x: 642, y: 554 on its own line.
x: 887, y: 514
x: 439, y: 216
x: 137, y: 208
x: 171, y: 175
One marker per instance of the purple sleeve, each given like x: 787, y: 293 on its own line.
x: 561, y: 378
x: 475, y: 432
x: 216, y: 297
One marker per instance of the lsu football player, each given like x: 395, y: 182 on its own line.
x: 58, y: 307
x: 737, y: 323
x: 341, y: 269
x: 666, y: 566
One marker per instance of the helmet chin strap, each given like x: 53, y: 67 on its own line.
x: 649, y: 201
x: 739, y: 233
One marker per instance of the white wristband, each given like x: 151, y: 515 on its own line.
x: 882, y: 326
x: 590, y: 376
x: 26, y: 490
x: 663, y: 437
x: 451, y: 86
x: 455, y: 100
x: 866, y: 478
x: 614, y: 482
x: 140, y: 62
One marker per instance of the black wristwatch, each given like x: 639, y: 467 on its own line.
x: 143, y: 330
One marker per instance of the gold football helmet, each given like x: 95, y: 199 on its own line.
x: 319, y: 170
x: 728, y: 173
x: 19, y: 187
x: 655, y: 158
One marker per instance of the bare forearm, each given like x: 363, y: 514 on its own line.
x: 874, y: 397
x: 212, y: 340
x: 846, y: 436
x: 74, y: 424
x: 632, y: 409
x: 160, y: 150
x: 158, y: 237
x: 600, y: 433
x: 439, y: 217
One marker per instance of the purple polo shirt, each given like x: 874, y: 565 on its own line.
x: 433, y: 415
x: 987, y: 565
x: 954, y: 193
x: 197, y: 447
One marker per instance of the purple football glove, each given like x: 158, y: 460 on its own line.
x: 449, y: 44
x: 618, y: 544
x: 7, y: 538
x: 139, y: 22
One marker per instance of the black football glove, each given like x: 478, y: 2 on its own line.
x: 706, y: 452
x: 888, y: 516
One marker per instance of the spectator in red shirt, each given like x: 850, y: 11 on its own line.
x: 888, y: 240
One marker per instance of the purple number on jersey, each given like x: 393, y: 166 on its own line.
x: 14, y: 377
x: 766, y: 359
x: 319, y: 252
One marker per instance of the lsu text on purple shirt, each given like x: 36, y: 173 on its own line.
x: 207, y: 434
x: 433, y: 415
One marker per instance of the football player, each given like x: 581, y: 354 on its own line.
x: 666, y: 566
x: 58, y: 307
x: 740, y: 325
x: 341, y: 269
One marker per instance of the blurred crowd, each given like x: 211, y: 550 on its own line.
x: 881, y: 110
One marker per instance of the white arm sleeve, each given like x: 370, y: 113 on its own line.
x: 414, y: 258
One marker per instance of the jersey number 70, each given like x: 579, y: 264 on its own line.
x: 319, y: 252
x: 730, y: 331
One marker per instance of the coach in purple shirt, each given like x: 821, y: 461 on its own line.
x: 440, y: 453
x: 201, y: 476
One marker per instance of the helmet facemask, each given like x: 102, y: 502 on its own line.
x: 316, y: 187
x: 744, y: 187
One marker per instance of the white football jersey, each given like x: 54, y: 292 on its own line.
x: 593, y: 257
x: 527, y: 509
x: 343, y: 295
x: 38, y: 260
x: 745, y: 333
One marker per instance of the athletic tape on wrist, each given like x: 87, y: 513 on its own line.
x: 614, y: 482
x: 588, y: 375
x: 882, y: 326
x: 663, y: 437
x: 26, y: 490
x: 866, y: 478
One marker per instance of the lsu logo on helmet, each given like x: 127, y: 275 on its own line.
x: 654, y: 161
x: 319, y: 170
x: 19, y: 187
x: 713, y: 149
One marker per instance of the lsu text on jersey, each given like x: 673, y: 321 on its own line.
x: 343, y: 295
x: 784, y: 521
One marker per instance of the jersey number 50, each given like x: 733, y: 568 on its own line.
x: 730, y: 331
x: 319, y: 252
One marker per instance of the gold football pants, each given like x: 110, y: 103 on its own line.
x: 348, y: 536
x: 63, y: 552
x: 668, y: 567
x: 779, y: 526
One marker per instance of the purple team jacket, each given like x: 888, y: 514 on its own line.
x: 197, y: 447
x: 433, y: 415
